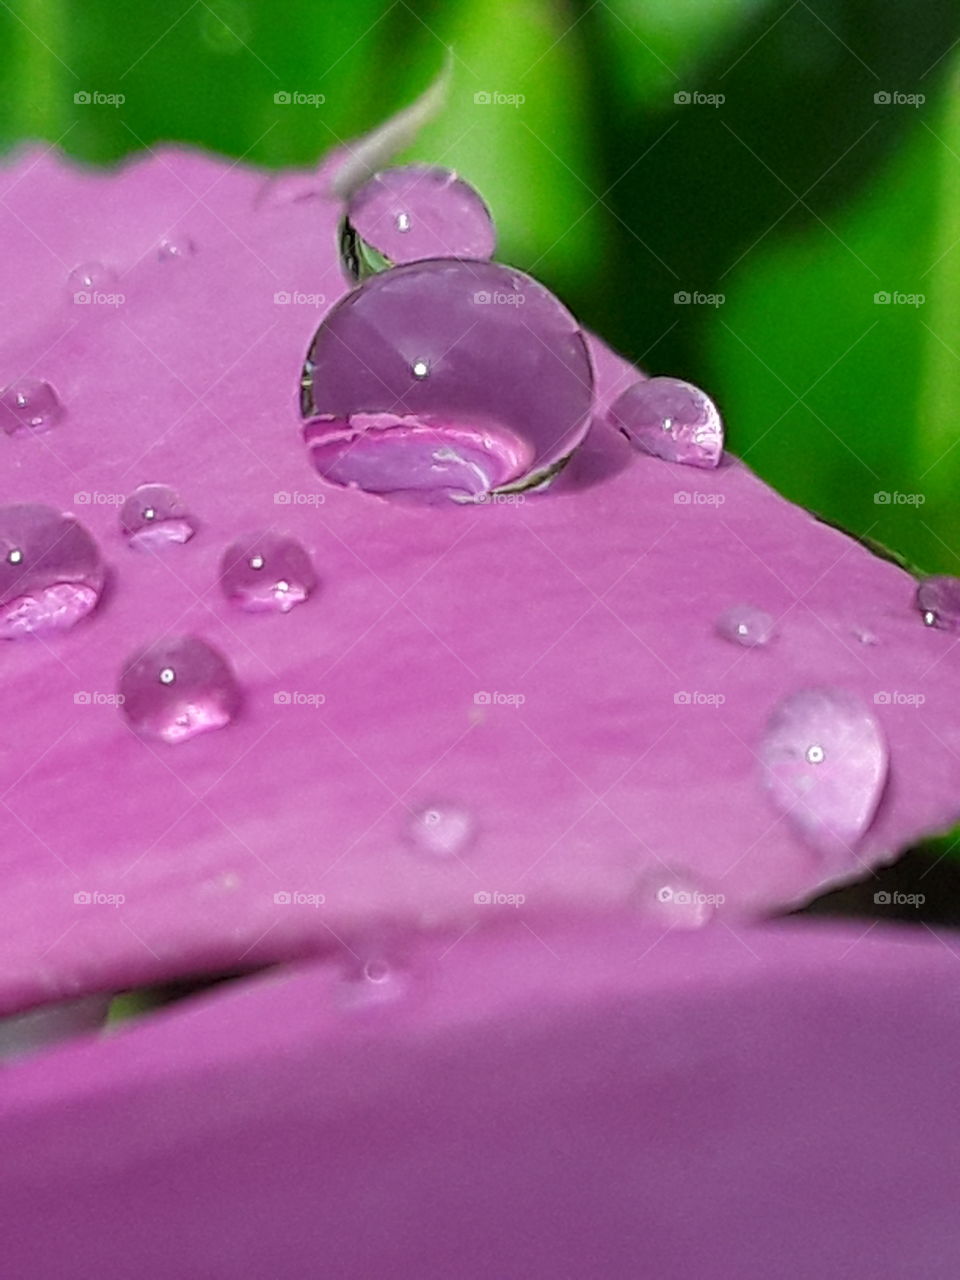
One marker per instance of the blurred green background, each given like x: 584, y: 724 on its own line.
x: 786, y: 166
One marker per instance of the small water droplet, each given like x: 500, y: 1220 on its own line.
x: 176, y: 248
x: 440, y: 831
x: 671, y: 419
x: 673, y: 898
x: 178, y: 688
x: 370, y: 981
x: 89, y: 278
x: 29, y: 404
x: 420, y: 368
x: 51, y: 571
x: 864, y: 636
x: 938, y: 599
x: 154, y: 517
x: 267, y: 571
x: 825, y: 762
x: 743, y: 624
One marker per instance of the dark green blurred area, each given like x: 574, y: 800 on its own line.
x: 764, y: 153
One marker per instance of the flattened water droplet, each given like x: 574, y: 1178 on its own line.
x: 411, y: 213
x: 29, y: 404
x: 267, y: 571
x: 743, y: 624
x: 51, y: 571
x: 440, y: 831
x: 176, y: 248
x: 89, y: 278
x: 865, y: 636
x: 154, y: 517
x: 178, y: 688
x: 673, y: 898
x: 671, y: 419
x: 938, y: 599
x: 825, y: 763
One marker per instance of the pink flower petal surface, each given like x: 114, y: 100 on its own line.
x: 548, y: 667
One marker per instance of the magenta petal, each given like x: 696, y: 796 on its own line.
x: 594, y: 1101
x: 547, y: 666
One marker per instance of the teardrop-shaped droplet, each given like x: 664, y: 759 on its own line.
x: 674, y: 899
x: 176, y: 248
x: 90, y: 278
x: 671, y: 419
x: 743, y: 624
x: 153, y: 517
x: 444, y: 380
x: 938, y: 600
x: 440, y: 831
x: 825, y: 763
x: 178, y: 688
x: 51, y: 571
x: 267, y: 571
x: 411, y: 213
x: 29, y: 404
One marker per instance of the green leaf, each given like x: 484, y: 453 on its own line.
x: 845, y: 401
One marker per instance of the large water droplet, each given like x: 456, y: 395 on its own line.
x: 411, y: 213
x: 938, y: 599
x: 440, y: 831
x: 89, y: 278
x: 671, y: 419
x: 154, y: 517
x: 51, y: 571
x: 267, y: 571
x: 29, y: 404
x: 178, y: 688
x: 427, y: 382
x: 825, y: 762
x: 743, y: 624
